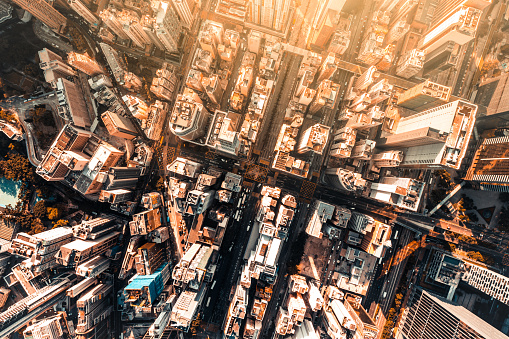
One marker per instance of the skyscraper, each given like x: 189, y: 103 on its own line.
x: 84, y: 63
x: 168, y: 27
x: 454, y: 120
x: 84, y: 12
x: 271, y: 13
x: 184, y: 12
x: 110, y: 18
x: 429, y: 316
x: 43, y: 11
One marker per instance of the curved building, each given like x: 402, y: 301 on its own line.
x: 189, y: 119
x: 344, y: 179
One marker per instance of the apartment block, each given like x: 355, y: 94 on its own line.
x: 314, y: 139
x: 84, y: 63
x: 43, y: 11
x: 424, y: 96
x: 145, y: 222
x: 53, y: 67
x: 119, y: 126
x: 410, y: 64
x: 404, y: 193
x: 74, y: 253
x: 492, y: 283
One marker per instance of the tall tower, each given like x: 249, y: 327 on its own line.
x: 429, y: 316
x: 84, y: 12
x: 43, y: 11
x: 110, y: 17
x: 184, y: 12
x: 168, y: 27
x: 84, y: 63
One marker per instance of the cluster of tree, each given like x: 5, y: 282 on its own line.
x: 503, y: 218
x: 480, y: 257
x: 297, y: 252
x: 17, y: 167
x: 26, y: 220
x: 7, y: 116
x: 392, y: 317
x: 42, y: 116
x: 443, y: 185
x: 43, y: 212
x: 469, y: 240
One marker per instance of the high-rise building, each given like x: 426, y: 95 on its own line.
x: 489, y: 167
x: 115, y: 62
x: 460, y: 26
x: 65, y: 154
x: 388, y: 159
x: 328, y: 68
x: 145, y: 222
x: 314, y: 139
x: 164, y: 84
x: 344, y: 179
x: 213, y: 88
x: 40, y: 250
x: 74, y: 253
x: 79, y: 7
x: 487, y: 281
x: 445, y: 8
x: 43, y: 11
x: 326, y: 96
x: 339, y: 42
x: 185, y: 310
x: 148, y: 22
x: 410, y: 63
x: 83, y: 63
x: 321, y: 213
x: 115, y: 196
x: 367, y: 78
x: 53, y: 67
x: 455, y: 119
x: 236, y: 312
x: 223, y: 133
x: 119, y: 126
x: 110, y: 17
x: 442, y: 58
x: 93, y: 309
x: 493, y: 93
x: 72, y: 106
x: 424, y: 96
x: 91, y: 179
x: 54, y: 327
x: 189, y: 120
x: 168, y: 28
x: 273, y: 14
x: 322, y: 33
x: 184, y: 12
x: 429, y: 316
x: 130, y: 23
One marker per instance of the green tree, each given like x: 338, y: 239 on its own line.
x: 53, y: 213
x: 17, y: 167
x: 60, y: 223
x: 503, y: 220
x: 40, y: 209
